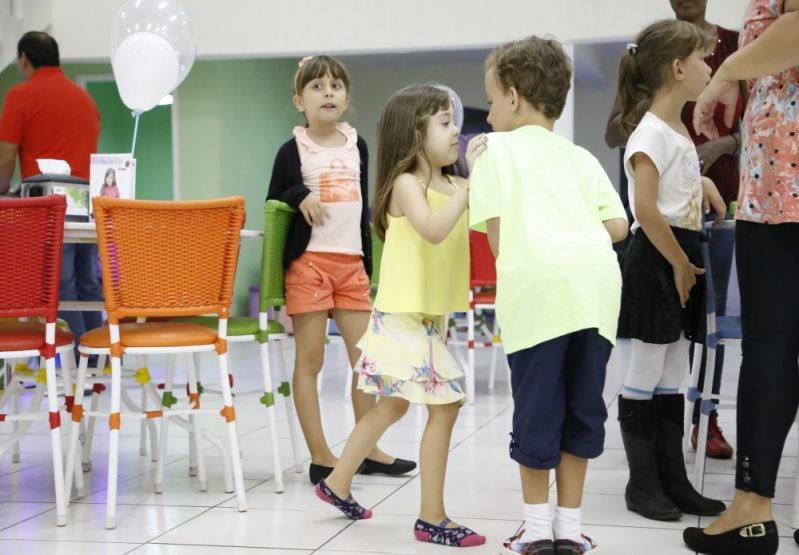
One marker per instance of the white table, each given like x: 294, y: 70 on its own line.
x: 81, y: 232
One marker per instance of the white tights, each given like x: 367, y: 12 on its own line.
x: 655, y: 369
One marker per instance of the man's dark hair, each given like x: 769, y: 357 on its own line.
x: 40, y: 48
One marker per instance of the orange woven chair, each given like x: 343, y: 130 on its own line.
x: 163, y: 259
x: 33, y: 232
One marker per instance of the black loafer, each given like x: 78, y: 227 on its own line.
x: 318, y: 472
x: 760, y: 538
x: 398, y: 467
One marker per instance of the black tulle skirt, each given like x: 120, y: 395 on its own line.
x: 650, y: 305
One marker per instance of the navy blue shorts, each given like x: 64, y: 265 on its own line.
x: 557, y: 399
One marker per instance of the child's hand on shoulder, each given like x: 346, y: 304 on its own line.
x: 313, y: 209
x: 475, y: 148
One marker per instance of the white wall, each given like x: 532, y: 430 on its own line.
x: 592, y: 106
x: 17, y: 17
x: 277, y: 28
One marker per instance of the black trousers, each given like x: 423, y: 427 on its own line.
x: 768, y: 389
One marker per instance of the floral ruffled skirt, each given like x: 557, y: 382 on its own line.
x: 404, y: 355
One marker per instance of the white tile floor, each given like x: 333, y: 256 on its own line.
x: 483, y: 486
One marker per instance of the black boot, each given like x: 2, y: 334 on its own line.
x: 671, y: 464
x: 644, y: 494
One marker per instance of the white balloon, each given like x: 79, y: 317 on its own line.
x: 168, y: 20
x: 457, y: 105
x: 146, y: 69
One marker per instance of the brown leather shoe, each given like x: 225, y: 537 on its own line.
x: 717, y: 446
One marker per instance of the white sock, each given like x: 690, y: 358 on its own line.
x: 568, y: 524
x: 537, y: 523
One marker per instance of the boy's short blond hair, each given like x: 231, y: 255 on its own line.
x: 538, y: 69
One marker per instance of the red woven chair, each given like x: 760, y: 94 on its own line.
x: 482, y: 296
x: 33, y: 233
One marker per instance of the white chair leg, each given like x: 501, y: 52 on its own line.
x: 165, y: 406
x: 113, y: 438
x: 88, y: 437
x: 288, y: 402
x: 233, y: 434
x: 15, y: 426
x: 90, y: 423
x: 23, y: 425
x: 492, y: 376
x: 701, y: 444
x: 142, y: 364
x: 268, y: 400
x: 55, y: 432
x: 72, y: 468
x: 692, y: 395
x: 197, y: 434
x: 470, y: 381
x: 69, y: 402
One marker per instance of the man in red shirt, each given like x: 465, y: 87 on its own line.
x: 49, y: 116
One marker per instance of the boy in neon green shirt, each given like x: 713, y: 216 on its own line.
x: 551, y: 215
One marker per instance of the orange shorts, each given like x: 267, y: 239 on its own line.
x: 322, y: 281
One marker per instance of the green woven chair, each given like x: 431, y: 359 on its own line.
x: 277, y: 218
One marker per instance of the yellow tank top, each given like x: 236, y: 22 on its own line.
x: 417, y: 276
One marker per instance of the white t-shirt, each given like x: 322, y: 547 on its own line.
x: 674, y: 156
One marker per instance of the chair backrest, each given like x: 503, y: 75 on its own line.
x: 483, y: 269
x: 168, y: 258
x: 32, y: 232
x: 278, y: 217
x: 377, y: 256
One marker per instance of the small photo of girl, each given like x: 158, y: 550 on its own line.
x: 109, y: 188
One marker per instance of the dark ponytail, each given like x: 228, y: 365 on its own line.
x: 645, y: 66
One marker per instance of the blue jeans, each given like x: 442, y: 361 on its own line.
x: 722, y: 246
x: 79, y: 282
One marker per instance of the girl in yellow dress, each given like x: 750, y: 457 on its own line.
x: 420, y: 212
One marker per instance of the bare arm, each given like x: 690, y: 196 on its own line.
x: 409, y: 197
x: 613, y: 135
x: 776, y: 50
x: 617, y: 228
x: 492, y: 226
x: 8, y: 159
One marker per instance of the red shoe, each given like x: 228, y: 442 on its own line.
x: 717, y: 446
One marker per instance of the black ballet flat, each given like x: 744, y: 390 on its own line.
x: 398, y: 467
x: 318, y: 472
x: 760, y: 538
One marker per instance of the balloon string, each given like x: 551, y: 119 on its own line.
x: 136, y: 115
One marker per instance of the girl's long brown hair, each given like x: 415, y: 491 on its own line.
x: 646, y: 65
x: 400, y: 141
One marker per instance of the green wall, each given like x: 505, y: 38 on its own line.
x: 153, y: 144
x: 233, y: 116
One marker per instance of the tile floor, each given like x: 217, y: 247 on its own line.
x: 483, y: 493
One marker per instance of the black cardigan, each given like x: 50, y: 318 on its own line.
x: 286, y: 185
